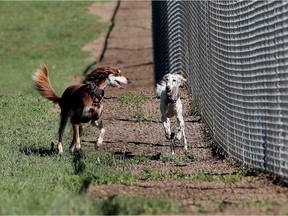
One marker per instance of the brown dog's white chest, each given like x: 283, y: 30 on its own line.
x: 91, y: 113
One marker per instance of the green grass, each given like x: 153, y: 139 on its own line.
x: 194, y: 107
x: 220, y: 205
x: 204, y: 176
x: 122, y: 206
x: 134, y: 104
x: 34, y: 179
x: 40, y: 181
x: 157, y: 175
x: 50, y: 32
x: 186, y: 158
x: 198, y: 177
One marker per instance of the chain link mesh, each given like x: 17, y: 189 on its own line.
x: 235, y: 56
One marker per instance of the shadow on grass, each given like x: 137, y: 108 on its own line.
x: 80, y: 169
x: 129, y: 155
x: 78, y: 163
x: 42, y: 152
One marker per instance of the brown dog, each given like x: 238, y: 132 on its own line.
x: 81, y: 103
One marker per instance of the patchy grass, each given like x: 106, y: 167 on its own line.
x: 124, y: 206
x: 194, y: 108
x: 134, y: 104
x: 199, y: 177
x: 40, y: 181
x: 34, y: 179
x: 230, y: 207
x: 186, y: 158
x: 204, y: 176
x: 157, y: 175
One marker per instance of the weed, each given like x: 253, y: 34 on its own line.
x: 134, y: 104
x: 203, y: 176
x: 263, y: 204
x: 194, y: 107
x: 156, y: 175
x: 139, y: 160
x: 111, y: 177
x: 186, y: 158
x: 177, y: 174
x: 136, y: 206
x: 102, y: 168
x: 221, y: 205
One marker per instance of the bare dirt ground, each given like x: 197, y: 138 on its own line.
x: 130, y: 49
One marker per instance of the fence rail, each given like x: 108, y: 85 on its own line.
x: 235, y: 56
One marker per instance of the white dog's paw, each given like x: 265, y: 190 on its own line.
x: 172, y: 148
x: 170, y: 136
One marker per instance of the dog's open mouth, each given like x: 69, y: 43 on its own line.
x: 119, y: 84
x: 169, y: 91
x: 172, y: 95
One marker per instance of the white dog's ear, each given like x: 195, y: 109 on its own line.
x: 159, y: 88
x: 165, y: 77
x: 182, y: 80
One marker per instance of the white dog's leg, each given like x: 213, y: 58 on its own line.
x: 99, y: 125
x: 185, y: 141
x: 164, y: 119
x: 181, y: 132
x: 166, y: 125
x: 181, y: 123
x: 172, y: 146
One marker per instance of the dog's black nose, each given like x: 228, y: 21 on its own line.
x: 168, y: 88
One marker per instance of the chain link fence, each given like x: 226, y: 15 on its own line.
x: 235, y: 56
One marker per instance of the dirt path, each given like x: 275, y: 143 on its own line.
x: 130, y: 49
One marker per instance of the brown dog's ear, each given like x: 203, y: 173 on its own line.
x: 101, y: 73
x: 96, y: 75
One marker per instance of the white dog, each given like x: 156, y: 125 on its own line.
x: 168, y: 91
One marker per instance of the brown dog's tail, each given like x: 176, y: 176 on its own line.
x: 42, y: 84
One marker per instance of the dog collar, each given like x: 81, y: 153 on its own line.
x: 96, y: 93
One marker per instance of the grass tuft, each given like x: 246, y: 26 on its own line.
x: 122, y: 206
x: 134, y: 104
x: 229, y: 178
x: 186, y: 158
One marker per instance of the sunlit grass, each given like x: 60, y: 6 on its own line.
x: 50, y: 32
